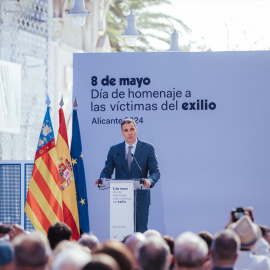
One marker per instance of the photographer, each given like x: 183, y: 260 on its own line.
x: 9, y: 232
x: 262, y: 246
x: 249, y: 234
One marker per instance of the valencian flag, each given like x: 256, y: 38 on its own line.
x: 70, y: 208
x: 44, y: 197
x: 79, y: 174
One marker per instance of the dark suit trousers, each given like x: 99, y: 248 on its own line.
x: 142, y: 218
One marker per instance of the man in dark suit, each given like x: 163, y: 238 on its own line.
x: 224, y: 250
x: 133, y: 159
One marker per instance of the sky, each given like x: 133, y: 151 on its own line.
x: 224, y: 24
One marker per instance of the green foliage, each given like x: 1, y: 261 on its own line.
x: 152, y: 23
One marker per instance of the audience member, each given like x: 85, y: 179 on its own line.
x: 190, y: 252
x: 58, y: 232
x: 249, y: 233
x: 14, y: 230
x: 21, y: 250
x: 150, y: 233
x: 89, y: 240
x: 265, y: 233
x: 102, y: 262
x: 207, y: 237
x: 119, y: 252
x: 154, y: 254
x: 31, y: 251
x: 74, y: 257
x: 6, y: 256
x: 133, y: 241
x: 224, y: 250
x: 170, y: 241
x: 262, y: 245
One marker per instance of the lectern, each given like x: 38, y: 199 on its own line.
x: 122, y: 205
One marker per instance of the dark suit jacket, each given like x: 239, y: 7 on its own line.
x: 146, y: 158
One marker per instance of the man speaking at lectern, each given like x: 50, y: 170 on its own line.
x: 133, y: 159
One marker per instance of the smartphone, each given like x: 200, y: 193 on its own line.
x: 5, y: 229
x: 238, y: 213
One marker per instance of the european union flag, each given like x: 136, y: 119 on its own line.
x: 79, y: 174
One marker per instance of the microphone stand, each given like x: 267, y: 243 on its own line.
x: 141, y: 180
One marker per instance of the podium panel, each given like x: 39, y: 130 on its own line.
x: 121, y: 209
x: 122, y: 205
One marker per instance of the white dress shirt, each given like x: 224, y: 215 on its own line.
x: 132, y: 149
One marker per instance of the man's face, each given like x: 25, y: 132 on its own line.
x: 129, y: 131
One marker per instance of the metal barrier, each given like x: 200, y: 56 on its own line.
x: 14, y: 179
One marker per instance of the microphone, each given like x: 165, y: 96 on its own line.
x: 100, y: 182
x: 141, y: 180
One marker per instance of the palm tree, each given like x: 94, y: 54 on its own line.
x: 152, y: 23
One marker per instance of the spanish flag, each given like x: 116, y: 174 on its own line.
x: 70, y: 208
x: 44, y: 197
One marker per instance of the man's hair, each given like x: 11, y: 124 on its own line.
x: 102, y: 262
x: 31, y: 250
x: 89, y: 240
x: 133, y: 241
x: 74, y: 257
x: 170, y: 241
x: 207, y: 237
x: 58, y: 232
x: 190, y: 250
x: 154, y: 254
x: 119, y: 252
x: 128, y: 121
x: 225, y: 246
x: 264, y: 230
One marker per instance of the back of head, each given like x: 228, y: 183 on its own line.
x: 190, y: 250
x: 31, y: 250
x: 207, y: 237
x: 102, y: 262
x: 119, y: 252
x: 6, y: 254
x: 225, y: 247
x: 73, y: 257
x: 264, y: 230
x: 151, y: 233
x: 133, y: 241
x: 153, y: 254
x: 248, y: 232
x: 89, y: 240
x: 58, y: 232
x: 170, y: 241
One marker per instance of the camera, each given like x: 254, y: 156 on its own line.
x: 238, y: 213
x: 5, y: 229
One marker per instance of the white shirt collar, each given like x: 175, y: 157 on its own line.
x: 134, y: 146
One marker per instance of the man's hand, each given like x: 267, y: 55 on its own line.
x: 100, y: 184
x: 147, y: 183
x: 15, y: 230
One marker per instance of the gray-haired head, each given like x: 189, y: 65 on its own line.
x: 72, y: 258
x: 133, y: 241
x: 190, y: 250
x: 89, y: 240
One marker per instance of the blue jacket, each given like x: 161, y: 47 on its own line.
x: 146, y: 157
